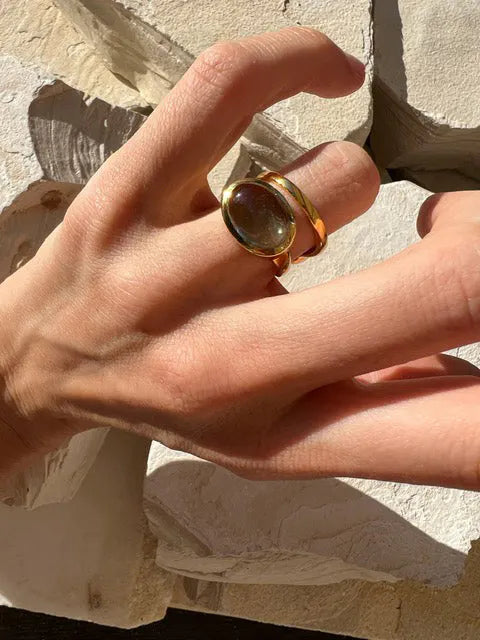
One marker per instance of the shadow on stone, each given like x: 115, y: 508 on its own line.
x: 214, y: 525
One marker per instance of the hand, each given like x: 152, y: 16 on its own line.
x: 141, y: 311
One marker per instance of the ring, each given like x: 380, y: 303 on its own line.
x: 262, y: 220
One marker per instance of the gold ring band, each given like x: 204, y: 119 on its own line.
x: 262, y: 220
x: 282, y: 263
x: 307, y: 206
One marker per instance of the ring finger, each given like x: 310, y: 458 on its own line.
x: 341, y: 181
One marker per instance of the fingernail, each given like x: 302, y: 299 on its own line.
x: 356, y: 67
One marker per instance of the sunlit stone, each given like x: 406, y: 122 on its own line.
x: 259, y: 219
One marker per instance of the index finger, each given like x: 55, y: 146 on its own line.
x: 215, y: 100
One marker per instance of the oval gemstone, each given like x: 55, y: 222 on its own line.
x: 259, y: 219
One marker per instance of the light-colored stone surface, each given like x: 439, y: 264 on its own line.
x: 379, y: 611
x: 215, y: 526
x: 211, y: 524
x: 152, y: 44
x: 93, y: 559
x: 57, y: 476
x: 54, y: 141
x: 54, y: 132
x: 86, y: 558
x: 38, y: 33
x: 427, y: 79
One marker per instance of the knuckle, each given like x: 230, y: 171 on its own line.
x: 430, y: 209
x: 309, y: 33
x: 247, y: 470
x: 351, y: 160
x: 452, y: 209
x: 363, y: 165
x: 359, y: 166
x: 120, y: 283
x: 222, y: 64
x: 351, y: 168
x: 177, y: 390
x: 187, y: 381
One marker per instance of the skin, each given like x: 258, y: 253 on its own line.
x: 142, y: 312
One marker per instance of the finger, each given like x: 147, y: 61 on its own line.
x: 439, y: 365
x: 423, y: 301
x: 449, y: 212
x: 341, y: 181
x: 202, y: 263
x: 191, y: 130
x: 418, y: 431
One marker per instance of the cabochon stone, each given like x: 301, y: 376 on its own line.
x: 259, y: 219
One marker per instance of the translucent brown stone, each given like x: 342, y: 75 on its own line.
x: 259, y: 218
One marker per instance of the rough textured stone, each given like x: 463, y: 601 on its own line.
x: 88, y: 558
x: 349, y: 556
x: 54, y: 132
x: 379, y: 611
x: 38, y: 33
x: 427, y: 74
x: 54, y: 141
x: 152, y: 44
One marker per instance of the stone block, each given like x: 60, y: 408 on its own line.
x: 370, y: 559
x: 89, y: 558
x: 427, y: 75
x: 38, y: 33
